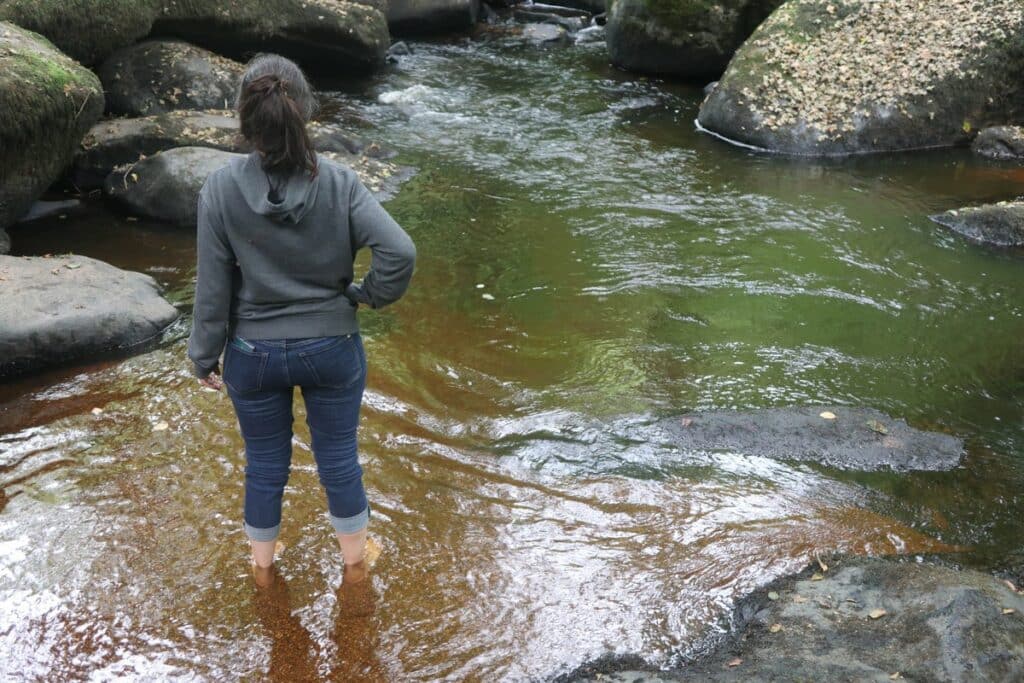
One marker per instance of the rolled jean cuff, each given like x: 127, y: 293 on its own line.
x: 262, y: 535
x: 350, y: 525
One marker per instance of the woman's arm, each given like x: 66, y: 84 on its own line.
x: 394, y: 254
x: 215, y: 265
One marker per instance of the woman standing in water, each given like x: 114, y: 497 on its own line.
x: 277, y: 236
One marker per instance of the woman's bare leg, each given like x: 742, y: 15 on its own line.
x: 263, y: 553
x: 353, y: 552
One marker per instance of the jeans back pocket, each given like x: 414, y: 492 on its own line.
x: 336, y: 364
x: 243, y: 369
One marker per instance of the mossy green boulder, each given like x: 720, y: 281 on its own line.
x: 336, y: 37
x: 87, y: 30
x: 836, y: 77
x: 48, y: 102
x: 689, y: 39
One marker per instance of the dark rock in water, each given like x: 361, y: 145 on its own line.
x: 571, y: 24
x: 592, y: 6
x: 555, y: 9
x: 399, y: 49
x: 47, y: 103
x: 856, y: 439
x: 690, y: 39
x: 166, y: 186
x: 118, y: 142
x: 710, y: 87
x: 867, y: 619
x: 324, y: 36
x: 1000, y: 142
x: 544, y: 34
x: 419, y: 17
x: 86, y: 30
x: 60, y: 310
x: 828, y: 77
x: 159, y: 76
x: 997, y: 225
x: 43, y: 209
x: 5, y: 242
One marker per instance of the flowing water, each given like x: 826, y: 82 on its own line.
x: 589, y: 265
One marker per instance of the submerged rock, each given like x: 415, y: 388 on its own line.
x: 417, y: 17
x: 322, y: 35
x: 833, y: 77
x: 866, y: 619
x: 59, y: 310
x: 119, y: 142
x: 544, y: 34
x: 47, y: 103
x: 997, y: 225
x: 691, y: 39
x: 855, y: 439
x: 87, y: 30
x: 1000, y: 142
x: 158, y: 76
x: 166, y: 186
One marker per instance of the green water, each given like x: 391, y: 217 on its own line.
x: 589, y: 264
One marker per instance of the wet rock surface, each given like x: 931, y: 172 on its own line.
x: 86, y: 30
x: 158, y: 76
x: 1000, y: 142
x: 119, y: 142
x: 417, y: 17
x: 63, y: 309
x: 166, y: 186
x: 322, y: 35
x: 685, y: 38
x: 997, y: 225
x: 866, y: 619
x: 5, y: 242
x: 855, y: 439
x: 834, y: 77
x: 47, y: 103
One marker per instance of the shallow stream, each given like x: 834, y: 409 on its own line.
x: 589, y: 265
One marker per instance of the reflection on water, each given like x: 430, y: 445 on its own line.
x: 588, y: 265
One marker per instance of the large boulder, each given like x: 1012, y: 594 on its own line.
x: 47, y: 103
x: 834, y: 77
x: 166, y: 186
x: 842, y: 437
x: 691, y: 39
x: 335, y: 37
x: 865, y: 619
x: 59, y: 310
x: 120, y: 142
x: 415, y: 17
x: 87, y: 30
x: 996, y: 225
x: 1000, y: 142
x: 158, y: 76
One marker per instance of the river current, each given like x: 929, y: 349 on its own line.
x: 590, y: 264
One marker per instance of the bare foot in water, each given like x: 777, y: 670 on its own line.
x: 356, y: 597
x: 264, y: 576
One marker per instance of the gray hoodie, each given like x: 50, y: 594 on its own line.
x: 275, y: 262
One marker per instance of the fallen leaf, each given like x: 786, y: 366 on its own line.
x: 824, y: 567
x: 877, y: 613
x: 775, y: 628
x: 1010, y: 585
x: 160, y: 426
x: 1008, y: 610
x: 799, y: 599
x: 772, y: 595
x: 97, y: 411
x: 734, y: 663
x: 686, y: 421
x: 896, y: 676
x: 878, y: 427
x: 817, y: 577
x: 828, y: 415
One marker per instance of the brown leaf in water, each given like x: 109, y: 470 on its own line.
x: 877, y: 613
x: 734, y: 663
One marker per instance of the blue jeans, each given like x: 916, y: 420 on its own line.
x: 260, y: 376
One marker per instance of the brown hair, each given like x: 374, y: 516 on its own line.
x: 274, y: 104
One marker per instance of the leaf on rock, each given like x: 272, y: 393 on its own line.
x: 817, y: 577
x: 734, y: 663
x: 1008, y: 610
x: 686, y: 421
x: 775, y: 628
x: 72, y: 266
x: 877, y: 613
x: 160, y: 426
x: 827, y: 415
x: 97, y: 411
x: 878, y: 427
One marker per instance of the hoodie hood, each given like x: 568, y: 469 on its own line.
x: 296, y: 194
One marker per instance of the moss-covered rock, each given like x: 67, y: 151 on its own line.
x: 1000, y: 142
x: 832, y: 77
x: 692, y: 39
x: 87, y: 30
x: 332, y: 36
x: 995, y: 225
x: 158, y: 76
x: 417, y: 17
x: 47, y: 103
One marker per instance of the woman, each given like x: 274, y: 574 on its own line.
x: 278, y: 232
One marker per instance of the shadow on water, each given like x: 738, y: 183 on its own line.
x: 589, y: 264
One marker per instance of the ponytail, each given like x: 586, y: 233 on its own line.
x: 273, y: 117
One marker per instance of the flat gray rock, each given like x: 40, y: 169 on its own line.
x: 1000, y: 142
x: 997, y: 225
x: 71, y: 308
x: 857, y: 439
